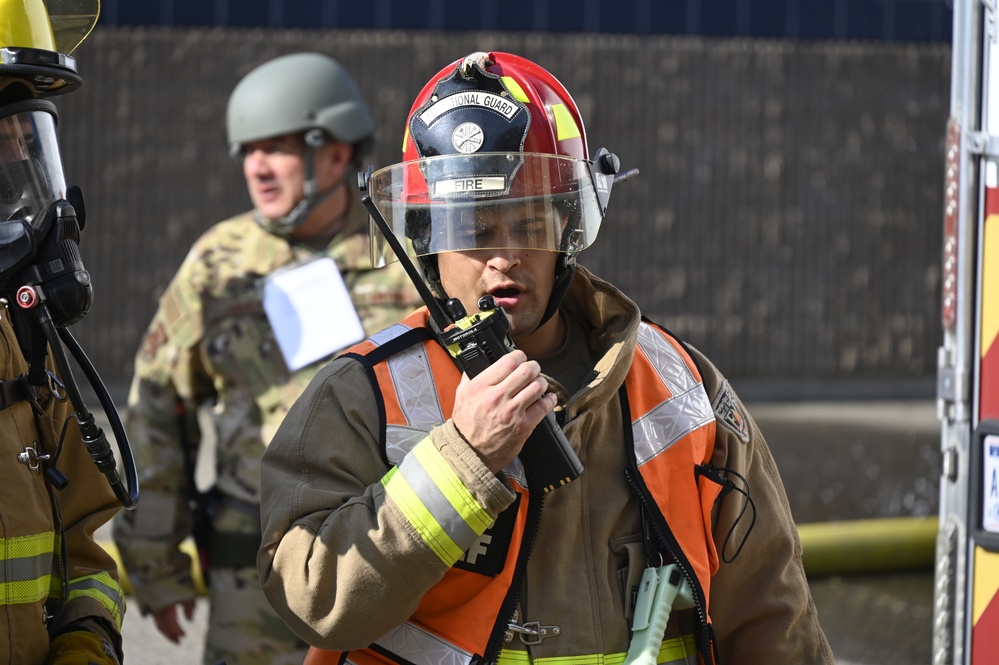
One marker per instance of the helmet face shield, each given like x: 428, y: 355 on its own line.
x: 31, y: 174
x: 486, y: 201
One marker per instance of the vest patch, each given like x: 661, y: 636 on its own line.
x: 488, y: 554
x: 729, y: 412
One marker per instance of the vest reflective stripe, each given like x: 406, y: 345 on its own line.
x: 685, y: 410
x: 26, y: 568
x: 436, y: 502
x: 102, y: 588
x: 417, y: 398
x: 419, y: 647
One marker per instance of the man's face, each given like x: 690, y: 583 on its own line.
x: 521, y: 280
x: 275, y: 174
x: 30, y: 168
x: 15, y: 131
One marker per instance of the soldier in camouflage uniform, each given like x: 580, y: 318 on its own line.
x: 300, y: 124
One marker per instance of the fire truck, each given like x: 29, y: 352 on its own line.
x: 966, y: 579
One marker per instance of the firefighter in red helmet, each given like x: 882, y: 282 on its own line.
x: 402, y: 518
x: 61, y: 602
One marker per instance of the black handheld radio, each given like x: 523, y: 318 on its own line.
x: 475, y: 342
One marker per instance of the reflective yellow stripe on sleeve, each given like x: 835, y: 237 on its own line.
x: 436, y: 503
x: 102, y: 588
x: 26, y: 575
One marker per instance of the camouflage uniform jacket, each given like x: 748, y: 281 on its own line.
x: 210, y: 341
x: 36, y: 532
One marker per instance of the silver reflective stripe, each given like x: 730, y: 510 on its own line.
x: 687, y: 410
x: 27, y: 569
x: 667, y: 361
x: 515, y: 470
x: 399, y: 440
x: 413, y: 382
x: 419, y: 647
x: 388, y: 334
x: 417, y: 394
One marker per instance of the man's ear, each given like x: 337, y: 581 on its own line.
x: 337, y: 156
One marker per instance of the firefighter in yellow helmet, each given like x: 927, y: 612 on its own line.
x: 62, y: 602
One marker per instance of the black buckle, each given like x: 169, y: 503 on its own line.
x: 12, y: 392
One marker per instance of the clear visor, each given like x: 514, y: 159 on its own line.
x: 456, y: 203
x: 30, y: 167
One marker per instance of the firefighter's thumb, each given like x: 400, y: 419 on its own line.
x: 81, y: 647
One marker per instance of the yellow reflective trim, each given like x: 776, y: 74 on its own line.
x: 515, y: 90
x: 18, y: 547
x: 405, y: 137
x: 420, y: 518
x: 31, y: 591
x: 451, y: 487
x: 676, y: 649
x: 565, y: 126
x: 26, y: 570
x: 104, y: 589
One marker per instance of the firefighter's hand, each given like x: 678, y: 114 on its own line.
x: 167, y: 623
x: 498, y: 409
x: 81, y: 647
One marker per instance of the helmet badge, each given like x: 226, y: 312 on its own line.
x: 467, y: 138
x: 470, y: 113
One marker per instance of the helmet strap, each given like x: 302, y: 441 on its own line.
x: 565, y: 269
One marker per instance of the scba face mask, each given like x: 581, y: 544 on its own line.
x: 39, y: 228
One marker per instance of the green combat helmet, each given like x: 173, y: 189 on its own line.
x: 307, y: 93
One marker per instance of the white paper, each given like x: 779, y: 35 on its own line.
x: 990, y: 486
x: 311, y: 313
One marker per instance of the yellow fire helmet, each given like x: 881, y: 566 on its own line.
x: 37, y: 37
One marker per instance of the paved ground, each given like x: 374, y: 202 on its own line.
x: 839, y: 461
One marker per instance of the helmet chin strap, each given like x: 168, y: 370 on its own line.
x: 284, y: 226
x: 563, y: 280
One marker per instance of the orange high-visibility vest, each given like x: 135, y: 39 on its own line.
x: 462, y: 619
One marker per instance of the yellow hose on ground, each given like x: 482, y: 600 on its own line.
x: 828, y: 548
x: 868, y: 546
